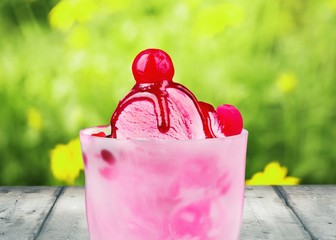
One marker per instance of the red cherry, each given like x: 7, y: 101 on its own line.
x: 152, y: 65
x: 230, y: 120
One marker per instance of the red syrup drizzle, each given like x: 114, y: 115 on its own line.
x: 153, y: 71
x: 201, y: 108
x: 156, y: 94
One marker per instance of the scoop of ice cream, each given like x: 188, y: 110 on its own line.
x: 158, y: 108
x: 167, y: 113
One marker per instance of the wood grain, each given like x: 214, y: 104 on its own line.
x: 267, y: 217
x: 23, y: 210
x: 315, y: 206
x: 67, y: 219
x: 297, y: 212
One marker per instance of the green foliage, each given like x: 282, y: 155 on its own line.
x: 65, y: 71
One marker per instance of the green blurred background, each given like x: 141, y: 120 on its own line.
x: 65, y: 64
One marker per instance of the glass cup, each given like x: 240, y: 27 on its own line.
x: 163, y: 189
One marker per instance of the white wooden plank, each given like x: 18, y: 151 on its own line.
x: 316, y: 208
x: 266, y: 216
x: 67, y: 219
x: 23, y: 210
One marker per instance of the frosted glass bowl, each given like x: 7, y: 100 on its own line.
x: 163, y: 189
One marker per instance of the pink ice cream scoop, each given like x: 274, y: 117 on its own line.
x: 158, y: 108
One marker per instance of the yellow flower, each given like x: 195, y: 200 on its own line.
x: 34, y: 119
x: 66, y: 161
x: 286, y: 82
x: 273, y: 174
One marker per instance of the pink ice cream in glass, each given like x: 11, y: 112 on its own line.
x: 168, y: 167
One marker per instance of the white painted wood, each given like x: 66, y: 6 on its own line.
x: 67, y: 219
x: 316, y: 208
x: 23, y: 209
x: 267, y: 217
x: 297, y: 212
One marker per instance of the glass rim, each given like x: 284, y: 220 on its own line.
x: 88, y: 131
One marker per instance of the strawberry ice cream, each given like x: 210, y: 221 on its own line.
x: 158, y: 108
x: 169, y: 167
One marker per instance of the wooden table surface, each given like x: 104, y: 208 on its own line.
x: 288, y: 212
